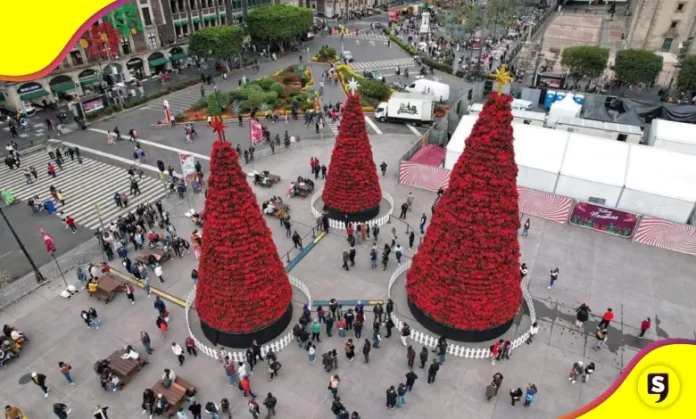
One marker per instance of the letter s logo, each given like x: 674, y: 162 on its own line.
x: 659, y: 384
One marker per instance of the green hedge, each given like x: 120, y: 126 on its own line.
x: 438, y: 66
x: 427, y: 61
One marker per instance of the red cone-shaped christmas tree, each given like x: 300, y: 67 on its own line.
x: 242, y: 284
x: 352, y: 185
x: 466, y: 273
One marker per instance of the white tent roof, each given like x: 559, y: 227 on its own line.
x: 539, y: 148
x: 662, y: 172
x: 466, y: 124
x: 596, y: 160
x: 606, y: 126
x: 678, y: 132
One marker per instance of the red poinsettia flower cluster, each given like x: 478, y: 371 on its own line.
x: 466, y: 273
x: 242, y: 284
x: 352, y: 184
x: 103, y: 40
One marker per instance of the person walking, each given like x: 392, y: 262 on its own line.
x: 130, y: 292
x: 100, y: 412
x: 644, y: 327
x: 582, y: 313
x: 432, y: 371
x: 329, y: 321
x: 61, y: 410
x: 179, y: 352
x: 65, y: 370
x: 589, y: 369
x: 529, y: 395
x: 350, y: 350
x: 160, y: 306
x: 423, y: 220
x: 94, y: 317
x: 411, y: 378
x: 190, y: 346
x: 270, y: 404
x: 405, y: 333
x: 254, y: 409
x: 607, y: 317
x: 351, y: 255
x: 345, y: 258
x: 516, y: 395
x: 554, y: 277
x: 398, y: 252
x: 316, y: 330
x: 410, y: 356
x: 383, y: 168
x: 376, y: 336
x: 601, y: 336
x: 411, y: 239
x: 373, y: 257
x: 145, y: 339
x: 158, y: 272
x: 533, y: 330
x: 577, y: 369
x: 391, y: 397
x: 334, y: 382
x: 40, y: 380
x: 525, y: 232
x: 401, y: 395
x: 366, y: 350
x: 311, y: 352
x: 297, y: 240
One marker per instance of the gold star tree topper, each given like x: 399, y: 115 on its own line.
x: 502, y: 77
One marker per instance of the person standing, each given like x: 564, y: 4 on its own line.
x: 525, y: 232
x: 411, y: 239
x: 94, y: 317
x: 423, y: 357
x: 13, y: 412
x: 160, y: 306
x: 411, y: 378
x: 190, y: 346
x: 61, y: 410
x: 404, y: 209
x: 532, y: 332
x: 130, y: 292
x: 376, y: 336
x: 40, y: 380
x: 333, y: 386
x: 270, y: 404
x: 410, y: 356
x: 100, y: 412
x: 350, y: 350
x: 391, y: 397
x: 398, y: 252
x: 601, y: 336
x: 345, y: 258
x: 589, y: 369
x: 405, y: 333
x: 196, y: 409
x: 158, y: 272
x: 366, y: 350
x: 383, y: 168
x: 373, y: 257
x: 65, y: 370
x: 329, y: 324
x: 529, y: 396
x: 607, y: 317
x: 515, y: 395
x: 423, y: 220
x: 554, y: 277
x: 432, y: 371
x: 401, y: 395
x: 644, y: 327
x: 442, y: 348
x: 145, y: 339
x: 256, y: 350
x: 179, y: 352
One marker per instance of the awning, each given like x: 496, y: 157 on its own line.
x: 180, y: 23
x: 87, y: 81
x: 209, y: 18
x: 63, y: 87
x: 196, y: 20
x: 223, y: 14
x: 34, y: 94
x: 158, y: 62
x: 177, y: 57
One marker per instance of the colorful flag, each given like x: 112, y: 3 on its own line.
x: 256, y: 132
x: 48, y: 241
x: 188, y: 167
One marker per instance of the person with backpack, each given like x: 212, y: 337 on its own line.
x: 337, y: 407
x: 405, y: 333
x: 273, y: 367
x: 212, y: 410
x: 254, y: 409
x: 270, y: 404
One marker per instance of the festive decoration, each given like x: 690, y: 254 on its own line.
x: 242, y: 285
x: 502, y: 77
x: 48, y: 241
x: 125, y: 19
x: 352, y: 185
x: 219, y: 128
x: 466, y: 273
x: 103, y: 41
x: 353, y: 85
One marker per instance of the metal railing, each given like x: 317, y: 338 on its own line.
x: 340, y: 225
x: 409, y: 229
x: 286, y: 256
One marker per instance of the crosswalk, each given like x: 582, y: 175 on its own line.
x: 383, y: 64
x: 181, y: 100
x: 334, y: 128
x: 363, y: 35
x: 84, y: 186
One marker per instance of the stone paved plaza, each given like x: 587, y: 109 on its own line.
x: 636, y: 281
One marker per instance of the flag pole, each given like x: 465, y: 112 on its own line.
x: 39, y: 276
x: 53, y: 255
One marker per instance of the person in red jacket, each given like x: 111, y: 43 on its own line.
x: 69, y: 222
x: 51, y: 170
x: 644, y: 326
x: 607, y: 317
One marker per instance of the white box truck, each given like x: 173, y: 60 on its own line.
x: 413, y: 108
x: 436, y: 90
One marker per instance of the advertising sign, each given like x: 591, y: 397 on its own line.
x: 256, y: 132
x: 93, y: 105
x: 188, y: 167
x: 607, y: 220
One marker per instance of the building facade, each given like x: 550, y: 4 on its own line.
x: 666, y: 26
x: 156, y: 43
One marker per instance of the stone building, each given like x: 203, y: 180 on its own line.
x: 662, y: 25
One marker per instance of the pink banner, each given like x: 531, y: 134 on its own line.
x: 255, y: 132
x: 544, y: 205
x: 666, y: 235
x: 423, y: 176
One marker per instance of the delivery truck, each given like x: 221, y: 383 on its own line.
x: 439, y: 91
x: 413, y: 108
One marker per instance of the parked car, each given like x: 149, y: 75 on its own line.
x: 347, y: 56
x: 373, y: 75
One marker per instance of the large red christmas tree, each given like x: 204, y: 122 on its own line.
x: 242, y: 286
x: 465, y: 275
x: 352, y: 184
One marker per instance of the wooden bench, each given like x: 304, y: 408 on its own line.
x: 107, y: 287
x: 125, y: 369
x: 175, y: 394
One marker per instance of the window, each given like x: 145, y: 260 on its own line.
x: 125, y: 45
x: 196, y: 26
x: 236, y: 4
x: 152, y: 40
x: 76, y: 58
x: 172, y: 6
x: 221, y: 2
x: 680, y: 7
x: 667, y: 44
x: 147, y: 19
x: 674, y: 24
x: 192, y: 4
x: 180, y: 5
x: 178, y: 31
x: 143, y: 1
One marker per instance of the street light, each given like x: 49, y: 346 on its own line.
x: 39, y: 276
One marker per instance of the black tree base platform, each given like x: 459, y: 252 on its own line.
x: 243, y: 340
x: 352, y: 218
x: 458, y: 335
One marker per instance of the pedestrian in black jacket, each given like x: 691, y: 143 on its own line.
x: 432, y: 371
x: 411, y: 378
x: 40, y: 380
x: 391, y: 397
x: 423, y: 357
x: 366, y: 350
x: 270, y: 404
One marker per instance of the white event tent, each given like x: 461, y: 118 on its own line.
x: 671, y: 135
x: 660, y: 183
x: 593, y: 168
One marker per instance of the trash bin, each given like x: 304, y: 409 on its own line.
x: 49, y: 206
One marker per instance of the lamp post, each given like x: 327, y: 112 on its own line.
x: 39, y: 276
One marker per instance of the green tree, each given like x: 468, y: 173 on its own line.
x: 500, y: 14
x: 584, y: 61
x: 637, y: 66
x: 125, y: 19
x: 686, y: 80
x: 278, y: 24
x: 217, y: 102
x: 217, y: 42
